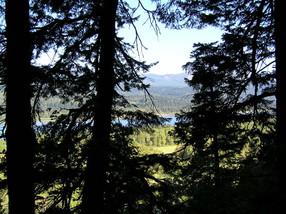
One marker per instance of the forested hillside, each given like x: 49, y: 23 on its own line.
x: 167, y: 100
x: 167, y: 96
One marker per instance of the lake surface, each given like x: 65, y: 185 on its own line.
x: 124, y: 122
x: 171, y: 122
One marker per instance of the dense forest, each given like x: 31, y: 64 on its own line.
x: 227, y: 145
x: 160, y: 136
x: 169, y: 98
x: 168, y: 101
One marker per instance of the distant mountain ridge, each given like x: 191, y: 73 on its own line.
x: 170, y: 93
x: 167, y: 80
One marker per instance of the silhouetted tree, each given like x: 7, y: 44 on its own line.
x: 249, y: 43
x: 77, y: 38
x: 220, y: 126
x: 98, y: 148
x: 280, y: 33
x: 19, y: 135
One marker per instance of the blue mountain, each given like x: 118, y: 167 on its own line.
x: 167, y: 80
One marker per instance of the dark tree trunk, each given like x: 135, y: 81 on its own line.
x: 280, y: 39
x: 20, y: 136
x: 95, y: 182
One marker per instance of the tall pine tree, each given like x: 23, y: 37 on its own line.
x: 78, y: 74
x: 19, y: 135
x: 280, y: 34
x: 250, y: 43
x: 98, y: 149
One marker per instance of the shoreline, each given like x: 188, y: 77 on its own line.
x: 167, y: 114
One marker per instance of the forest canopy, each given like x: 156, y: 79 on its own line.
x: 229, y: 136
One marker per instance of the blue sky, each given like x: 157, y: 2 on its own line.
x: 172, y: 47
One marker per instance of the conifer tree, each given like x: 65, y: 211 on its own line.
x: 97, y: 163
x: 78, y: 74
x: 248, y: 42
x: 280, y: 33
x: 19, y: 135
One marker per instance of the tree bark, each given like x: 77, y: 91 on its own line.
x: 19, y: 135
x: 95, y: 180
x: 280, y: 43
